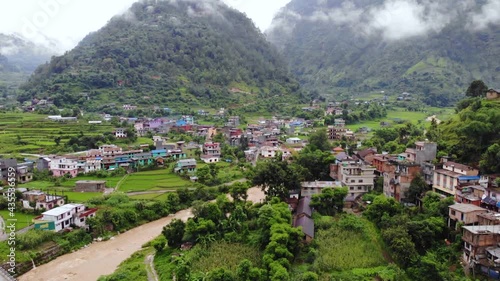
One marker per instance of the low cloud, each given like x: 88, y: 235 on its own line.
x: 489, y: 14
x: 397, y: 19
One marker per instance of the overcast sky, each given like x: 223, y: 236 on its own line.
x: 69, y: 21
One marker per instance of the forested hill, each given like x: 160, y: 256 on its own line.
x: 431, y: 48
x: 164, y: 53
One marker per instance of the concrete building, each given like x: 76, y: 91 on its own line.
x: 357, y: 176
x: 449, y: 174
x: 120, y: 133
x: 185, y: 165
x: 211, y: 152
x: 64, y: 166
x: 36, y: 199
x: 90, y: 186
x: 63, y: 217
x: 398, y: 177
x: 464, y: 213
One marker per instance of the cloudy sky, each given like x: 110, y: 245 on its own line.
x: 68, y: 21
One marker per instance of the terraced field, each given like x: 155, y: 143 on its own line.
x: 34, y: 133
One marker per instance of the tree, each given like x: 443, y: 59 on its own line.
x: 319, y: 140
x: 239, y: 191
x: 330, y: 201
x: 174, y: 232
x: 382, y: 206
x: 476, y: 89
x: 490, y: 160
x: 417, y: 187
x: 277, y: 177
x: 316, y: 162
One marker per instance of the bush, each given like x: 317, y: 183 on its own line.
x: 159, y: 244
x: 34, y: 238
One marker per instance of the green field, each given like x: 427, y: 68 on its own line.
x: 23, y: 220
x: 34, y: 133
x: 152, y: 180
x: 150, y: 196
x: 37, y: 134
x: 351, y: 242
x: 401, y: 114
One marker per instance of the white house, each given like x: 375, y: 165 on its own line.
x: 59, y: 218
x: 120, y: 133
x: 92, y: 165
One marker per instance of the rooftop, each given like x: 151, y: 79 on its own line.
x: 61, y: 210
x: 307, y: 225
x: 483, y: 229
x: 466, y: 208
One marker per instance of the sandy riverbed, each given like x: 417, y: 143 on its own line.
x: 104, y: 257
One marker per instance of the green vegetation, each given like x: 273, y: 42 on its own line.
x: 355, y: 62
x: 132, y: 269
x: 222, y: 254
x: 347, y: 243
x: 472, y: 135
x: 194, y: 61
x: 23, y: 220
x: 152, y: 180
x: 33, y: 133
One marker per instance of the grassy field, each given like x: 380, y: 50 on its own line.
x: 401, y: 114
x: 352, y: 242
x: 150, y: 196
x: 23, y: 220
x: 222, y: 254
x: 152, y: 180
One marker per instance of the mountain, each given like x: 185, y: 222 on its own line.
x: 167, y: 53
x: 435, y: 49
x: 19, y: 57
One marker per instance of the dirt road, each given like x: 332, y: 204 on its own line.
x: 104, y: 257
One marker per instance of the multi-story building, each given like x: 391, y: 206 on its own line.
x: 448, y: 175
x: 63, y: 217
x: 211, y: 152
x: 36, y: 199
x: 356, y: 175
x: 64, y: 166
x: 464, y: 213
x: 481, y: 247
x: 398, y: 177
x: 120, y: 133
x: 92, y: 165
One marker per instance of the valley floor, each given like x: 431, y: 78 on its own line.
x: 104, y: 257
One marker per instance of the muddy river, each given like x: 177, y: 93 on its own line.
x: 103, y: 258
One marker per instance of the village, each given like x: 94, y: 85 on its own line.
x: 357, y: 169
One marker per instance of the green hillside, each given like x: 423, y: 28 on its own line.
x: 167, y: 53
x: 346, y: 48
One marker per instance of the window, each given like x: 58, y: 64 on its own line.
x: 360, y: 187
x: 452, y: 212
x: 360, y: 180
x: 353, y: 180
x: 351, y: 188
x: 82, y: 219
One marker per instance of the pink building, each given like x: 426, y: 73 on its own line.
x: 63, y: 166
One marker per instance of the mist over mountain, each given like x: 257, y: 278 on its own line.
x: 164, y: 53
x: 432, y: 48
x: 19, y: 58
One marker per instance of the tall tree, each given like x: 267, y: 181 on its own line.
x: 319, y: 140
x: 476, y: 89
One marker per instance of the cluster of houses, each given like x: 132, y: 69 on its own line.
x: 110, y: 157
x: 476, y: 210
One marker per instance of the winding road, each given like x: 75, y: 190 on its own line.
x: 103, y: 258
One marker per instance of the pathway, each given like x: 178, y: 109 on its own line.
x: 150, y: 268
x: 103, y: 258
